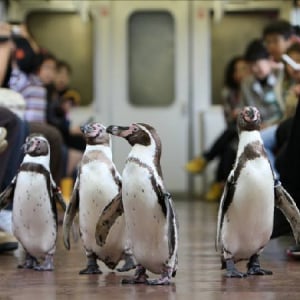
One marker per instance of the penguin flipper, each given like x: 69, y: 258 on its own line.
x: 110, y: 213
x: 225, y: 201
x: 172, y: 232
x: 6, y: 197
x: 58, y: 198
x: 70, y: 214
x: 57, y: 195
x: 285, y: 202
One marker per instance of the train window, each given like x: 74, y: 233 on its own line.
x: 151, y: 58
x: 69, y: 39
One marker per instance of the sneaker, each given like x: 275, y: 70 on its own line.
x: 294, y: 251
x: 215, y: 192
x: 196, y: 165
x: 7, y: 242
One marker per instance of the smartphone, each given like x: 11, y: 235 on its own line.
x: 291, y: 62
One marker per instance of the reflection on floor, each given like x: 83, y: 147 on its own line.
x: 198, y: 277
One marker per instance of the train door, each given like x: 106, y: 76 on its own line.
x: 149, y: 78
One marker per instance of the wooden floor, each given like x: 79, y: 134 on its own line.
x: 198, y: 277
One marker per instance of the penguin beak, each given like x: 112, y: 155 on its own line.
x: 83, y: 128
x: 87, y: 129
x: 117, y: 130
x: 23, y: 148
x: 29, y: 146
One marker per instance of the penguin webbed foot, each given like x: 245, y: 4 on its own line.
x: 164, y: 280
x: 91, y: 270
x: 47, y: 265
x: 92, y: 266
x: 254, y: 267
x: 129, y: 263
x: 231, y: 271
x: 235, y: 274
x: 139, y: 277
x: 30, y: 263
x: 258, y: 271
x: 160, y: 281
x: 134, y: 280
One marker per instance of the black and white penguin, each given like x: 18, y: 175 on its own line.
x: 245, y: 219
x: 98, y: 183
x: 34, y: 195
x: 149, y: 211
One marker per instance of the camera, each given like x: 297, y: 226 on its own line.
x: 15, y: 30
x: 15, y: 34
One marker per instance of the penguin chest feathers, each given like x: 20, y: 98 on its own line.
x: 32, y: 195
x: 99, y: 179
x: 146, y: 223
x: 253, y: 174
x: 34, y: 222
x: 249, y: 219
x: 99, y: 184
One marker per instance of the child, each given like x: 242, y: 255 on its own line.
x: 263, y: 87
x: 278, y: 36
x: 32, y: 86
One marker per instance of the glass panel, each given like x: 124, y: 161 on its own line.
x: 151, y: 59
x: 69, y: 39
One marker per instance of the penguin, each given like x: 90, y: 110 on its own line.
x: 149, y: 211
x: 97, y: 184
x: 34, y: 195
x: 245, y: 218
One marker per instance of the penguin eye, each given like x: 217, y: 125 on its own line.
x: 135, y: 129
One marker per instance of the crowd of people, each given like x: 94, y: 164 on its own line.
x: 257, y: 78
x: 261, y: 78
x: 43, y: 81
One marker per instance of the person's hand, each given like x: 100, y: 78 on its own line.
x: 5, y: 35
x: 5, y: 29
x: 75, y: 130
x: 235, y: 112
x: 277, y: 65
x: 296, y: 89
x: 24, y: 31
